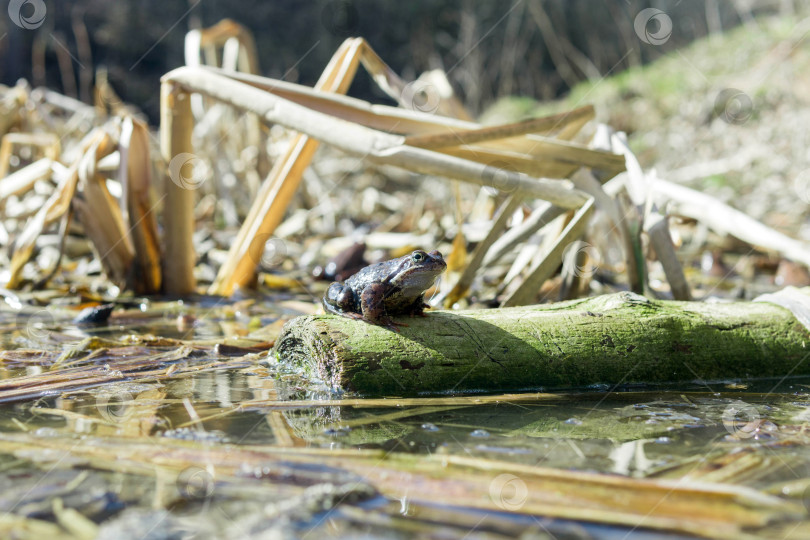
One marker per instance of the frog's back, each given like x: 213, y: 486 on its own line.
x: 373, y: 273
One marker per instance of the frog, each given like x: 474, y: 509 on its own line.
x: 395, y: 287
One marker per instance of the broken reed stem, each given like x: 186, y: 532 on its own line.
x: 657, y: 227
x: 278, y: 189
x: 526, y: 293
x: 554, y: 151
x: 219, y: 34
x: 176, y: 123
x: 585, y: 180
x: 533, y: 125
x: 375, y: 146
x: 499, y: 223
x: 24, y: 179
x: 136, y: 177
x: 724, y: 219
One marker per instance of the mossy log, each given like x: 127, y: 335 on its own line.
x: 613, y: 339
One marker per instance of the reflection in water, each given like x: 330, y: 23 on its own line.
x: 641, y: 434
x: 750, y: 435
x: 631, y: 433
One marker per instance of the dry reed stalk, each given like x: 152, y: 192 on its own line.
x: 64, y: 60
x: 656, y: 225
x: 55, y: 207
x: 102, y: 367
x: 359, y: 128
x: 62, y: 102
x: 569, y: 131
x: 712, y: 510
x: 499, y: 223
x: 584, y: 180
x: 534, y: 250
x: 561, y: 165
x: 433, y: 84
x: 226, y: 30
x: 48, y: 143
x: 653, y: 222
x: 176, y: 123
x: 376, y: 146
x: 539, y: 218
x: 279, y: 187
x: 135, y: 174
x: 237, y: 52
x: 13, y: 102
x: 564, y: 153
x: 527, y: 398
x: 85, y: 51
x: 24, y: 179
x: 414, y: 123
x: 101, y: 216
x: 542, y: 124
x: 724, y: 219
x: 105, y: 98
x: 541, y: 270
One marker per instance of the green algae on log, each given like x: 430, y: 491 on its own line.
x: 613, y: 339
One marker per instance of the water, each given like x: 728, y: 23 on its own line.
x: 209, y: 446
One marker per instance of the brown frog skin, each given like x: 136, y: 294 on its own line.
x: 387, y: 288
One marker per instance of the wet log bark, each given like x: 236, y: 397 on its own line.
x: 608, y: 340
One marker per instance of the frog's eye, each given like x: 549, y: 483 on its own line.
x: 417, y: 256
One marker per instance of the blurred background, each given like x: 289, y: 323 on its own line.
x: 711, y: 95
x: 538, y: 49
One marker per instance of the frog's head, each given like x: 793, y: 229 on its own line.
x: 417, y: 272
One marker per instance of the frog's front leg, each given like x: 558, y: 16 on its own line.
x: 418, y: 308
x: 373, y: 306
